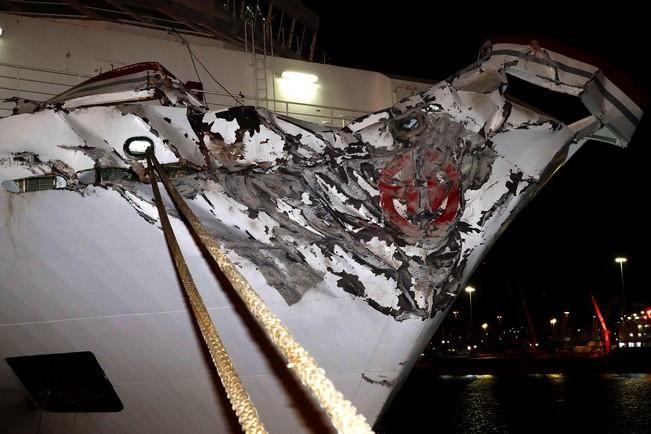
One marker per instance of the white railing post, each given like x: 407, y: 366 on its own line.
x: 17, y: 81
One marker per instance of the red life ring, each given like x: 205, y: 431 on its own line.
x: 426, y: 185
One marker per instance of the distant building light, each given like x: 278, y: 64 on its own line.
x: 299, y: 76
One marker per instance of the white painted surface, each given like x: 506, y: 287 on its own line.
x: 88, y: 48
x: 90, y: 274
x: 123, y: 303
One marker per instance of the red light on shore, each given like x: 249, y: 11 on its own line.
x: 606, y: 333
x: 648, y: 313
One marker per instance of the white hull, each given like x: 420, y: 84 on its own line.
x: 89, y: 274
x: 87, y: 269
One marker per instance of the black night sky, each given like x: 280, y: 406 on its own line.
x: 561, y: 247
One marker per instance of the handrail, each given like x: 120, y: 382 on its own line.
x: 269, y: 102
x: 287, y: 107
x: 27, y: 91
x: 305, y: 104
x: 33, y: 80
x: 53, y: 71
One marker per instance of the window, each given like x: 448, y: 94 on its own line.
x: 66, y: 382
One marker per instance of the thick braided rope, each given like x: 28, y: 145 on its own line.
x: 342, y: 413
x: 237, y: 395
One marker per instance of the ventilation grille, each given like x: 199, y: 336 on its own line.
x: 35, y: 183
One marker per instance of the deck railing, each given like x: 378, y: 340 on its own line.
x: 35, y: 83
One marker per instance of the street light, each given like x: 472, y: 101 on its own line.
x: 484, y: 326
x: 620, y: 260
x: 470, y: 290
x: 552, y: 322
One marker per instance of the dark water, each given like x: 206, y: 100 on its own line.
x: 551, y: 403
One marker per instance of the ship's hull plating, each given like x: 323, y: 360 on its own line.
x: 358, y: 239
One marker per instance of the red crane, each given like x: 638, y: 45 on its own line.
x: 604, y: 329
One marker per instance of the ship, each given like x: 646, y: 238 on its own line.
x: 358, y: 236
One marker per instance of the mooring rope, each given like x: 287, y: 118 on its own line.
x: 238, y: 397
x: 342, y: 413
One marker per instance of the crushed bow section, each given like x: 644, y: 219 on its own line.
x: 395, y: 209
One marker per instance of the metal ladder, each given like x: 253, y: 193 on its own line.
x: 260, y: 61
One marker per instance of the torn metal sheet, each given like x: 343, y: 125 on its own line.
x: 132, y: 83
x: 395, y: 209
